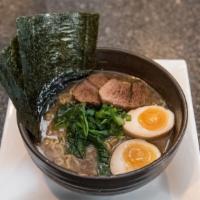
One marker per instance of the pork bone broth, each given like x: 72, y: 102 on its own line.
x: 92, y: 119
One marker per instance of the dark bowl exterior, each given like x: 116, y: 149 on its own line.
x: 159, y: 79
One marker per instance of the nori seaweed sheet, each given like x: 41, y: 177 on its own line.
x: 11, y: 74
x: 11, y: 78
x: 51, y: 43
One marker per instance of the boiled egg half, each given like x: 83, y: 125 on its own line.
x: 133, y: 154
x: 149, y: 122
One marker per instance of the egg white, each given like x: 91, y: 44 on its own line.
x: 135, y: 129
x: 118, y: 165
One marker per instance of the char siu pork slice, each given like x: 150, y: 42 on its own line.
x: 142, y: 95
x: 87, y: 93
x: 116, y: 92
x: 98, y: 79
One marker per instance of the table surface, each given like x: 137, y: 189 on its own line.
x: 157, y: 29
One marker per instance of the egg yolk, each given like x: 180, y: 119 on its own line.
x: 153, y: 119
x: 137, y: 156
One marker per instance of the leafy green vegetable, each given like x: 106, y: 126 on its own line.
x: 90, y: 125
x: 111, y: 119
x: 103, y: 154
x: 73, y: 118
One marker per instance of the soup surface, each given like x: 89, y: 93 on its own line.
x: 106, y: 124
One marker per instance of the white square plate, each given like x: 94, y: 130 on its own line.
x: 20, y: 179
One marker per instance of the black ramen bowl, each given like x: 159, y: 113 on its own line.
x: 159, y: 79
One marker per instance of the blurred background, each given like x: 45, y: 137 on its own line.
x: 157, y: 29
